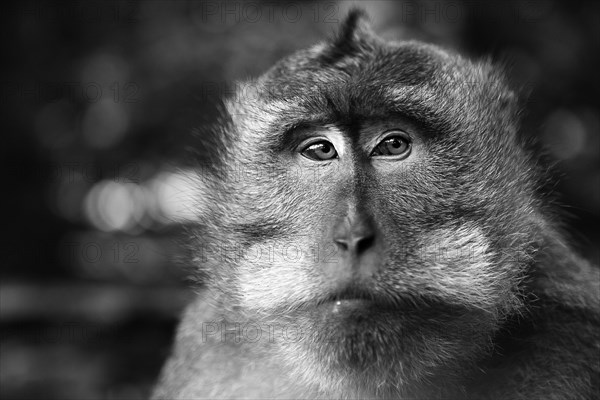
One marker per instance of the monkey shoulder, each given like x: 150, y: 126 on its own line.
x: 552, y: 349
x: 211, y: 360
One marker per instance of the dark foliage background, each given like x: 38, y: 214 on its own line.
x: 98, y: 99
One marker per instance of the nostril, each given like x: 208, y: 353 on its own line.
x: 364, y: 244
x: 342, y: 244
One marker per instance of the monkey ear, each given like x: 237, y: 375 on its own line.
x: 354, y: 35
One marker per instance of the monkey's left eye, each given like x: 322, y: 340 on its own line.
x: 397, y: 144
x: 320, y: 151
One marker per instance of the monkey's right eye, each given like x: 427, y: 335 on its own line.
x: 320, y: 151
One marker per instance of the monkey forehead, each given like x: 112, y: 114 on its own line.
x: 401, y: 63
x: 413, y: 79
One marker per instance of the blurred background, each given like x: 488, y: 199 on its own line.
x: 99, y: 99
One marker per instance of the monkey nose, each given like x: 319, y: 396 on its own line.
x: 355, y: 233
x: 356, y: 240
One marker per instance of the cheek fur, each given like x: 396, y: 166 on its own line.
x: 278, y: 275
x: 462, y: 268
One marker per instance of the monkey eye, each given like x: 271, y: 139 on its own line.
x: 396, y: 144
x: 320, y: 151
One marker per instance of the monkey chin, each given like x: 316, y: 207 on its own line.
x: 360, y: 347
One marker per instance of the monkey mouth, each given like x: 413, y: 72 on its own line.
x: 355, y: 297
x: 349, y: 294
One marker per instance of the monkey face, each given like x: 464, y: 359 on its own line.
x: 362, y: 199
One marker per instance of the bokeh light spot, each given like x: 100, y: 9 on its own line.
x: 111, y: 206
x: 176, y: 198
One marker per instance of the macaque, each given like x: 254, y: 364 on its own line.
x: 388, y: 238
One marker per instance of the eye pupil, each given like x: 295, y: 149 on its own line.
x: 395, y: 146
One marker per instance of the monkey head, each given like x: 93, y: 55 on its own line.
x: 373, y: 195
